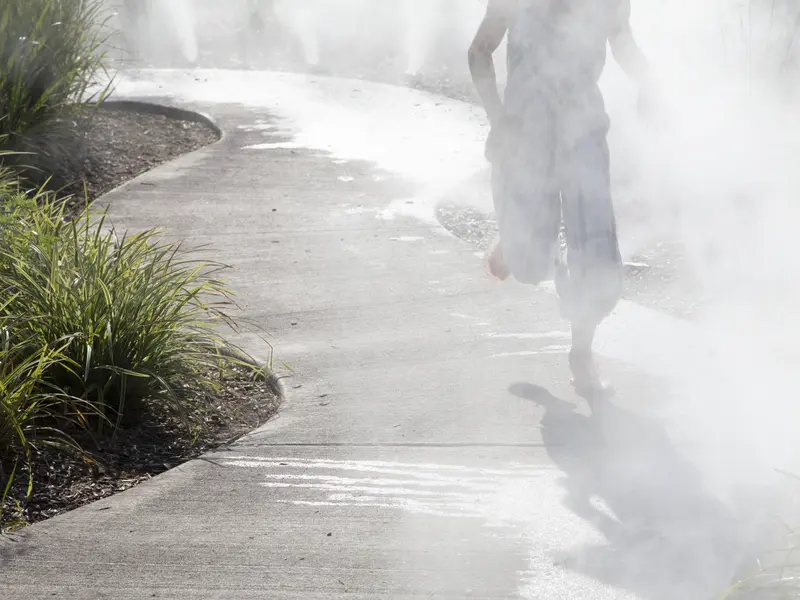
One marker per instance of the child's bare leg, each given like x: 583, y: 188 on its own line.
x: 585, y: 376
x: 495, y: 263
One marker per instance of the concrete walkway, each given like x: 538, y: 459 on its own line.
x: 430, y: 446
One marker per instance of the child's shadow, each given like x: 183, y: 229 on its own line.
x: 666, y: 536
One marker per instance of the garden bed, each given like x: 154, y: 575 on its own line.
x: 124, y: 142
x: 64, y: 481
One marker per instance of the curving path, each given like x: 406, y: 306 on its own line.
x: 430, y: 445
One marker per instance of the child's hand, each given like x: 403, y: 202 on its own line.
x: 494, y: 143
x: 496, y: 140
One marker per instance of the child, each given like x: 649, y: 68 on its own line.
x: 550, y: 156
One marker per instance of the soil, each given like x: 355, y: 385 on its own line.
x: 122, y: 144
x: 64, y: 480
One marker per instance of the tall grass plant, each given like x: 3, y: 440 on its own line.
x: 52, y: 73
x: 139, y: 316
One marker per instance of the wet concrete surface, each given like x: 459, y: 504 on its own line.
x: 431, y: 445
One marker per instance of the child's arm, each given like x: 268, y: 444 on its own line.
x: 632, y: 60
x: 626, y: 51
x: 481, y: 64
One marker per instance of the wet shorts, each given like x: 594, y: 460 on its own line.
x: 544, y: 169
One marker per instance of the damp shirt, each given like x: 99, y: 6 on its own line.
x: 556, y: 55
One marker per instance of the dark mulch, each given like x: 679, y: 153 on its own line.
x: 122, y: 144
x: 64, y: 480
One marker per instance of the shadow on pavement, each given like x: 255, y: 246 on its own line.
x: 667, y: 536
x: 13, y: 546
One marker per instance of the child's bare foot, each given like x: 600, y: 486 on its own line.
x: 495, y: 265
x: 585, y: 378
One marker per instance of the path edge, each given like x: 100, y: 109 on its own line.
x: 167, y: 110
